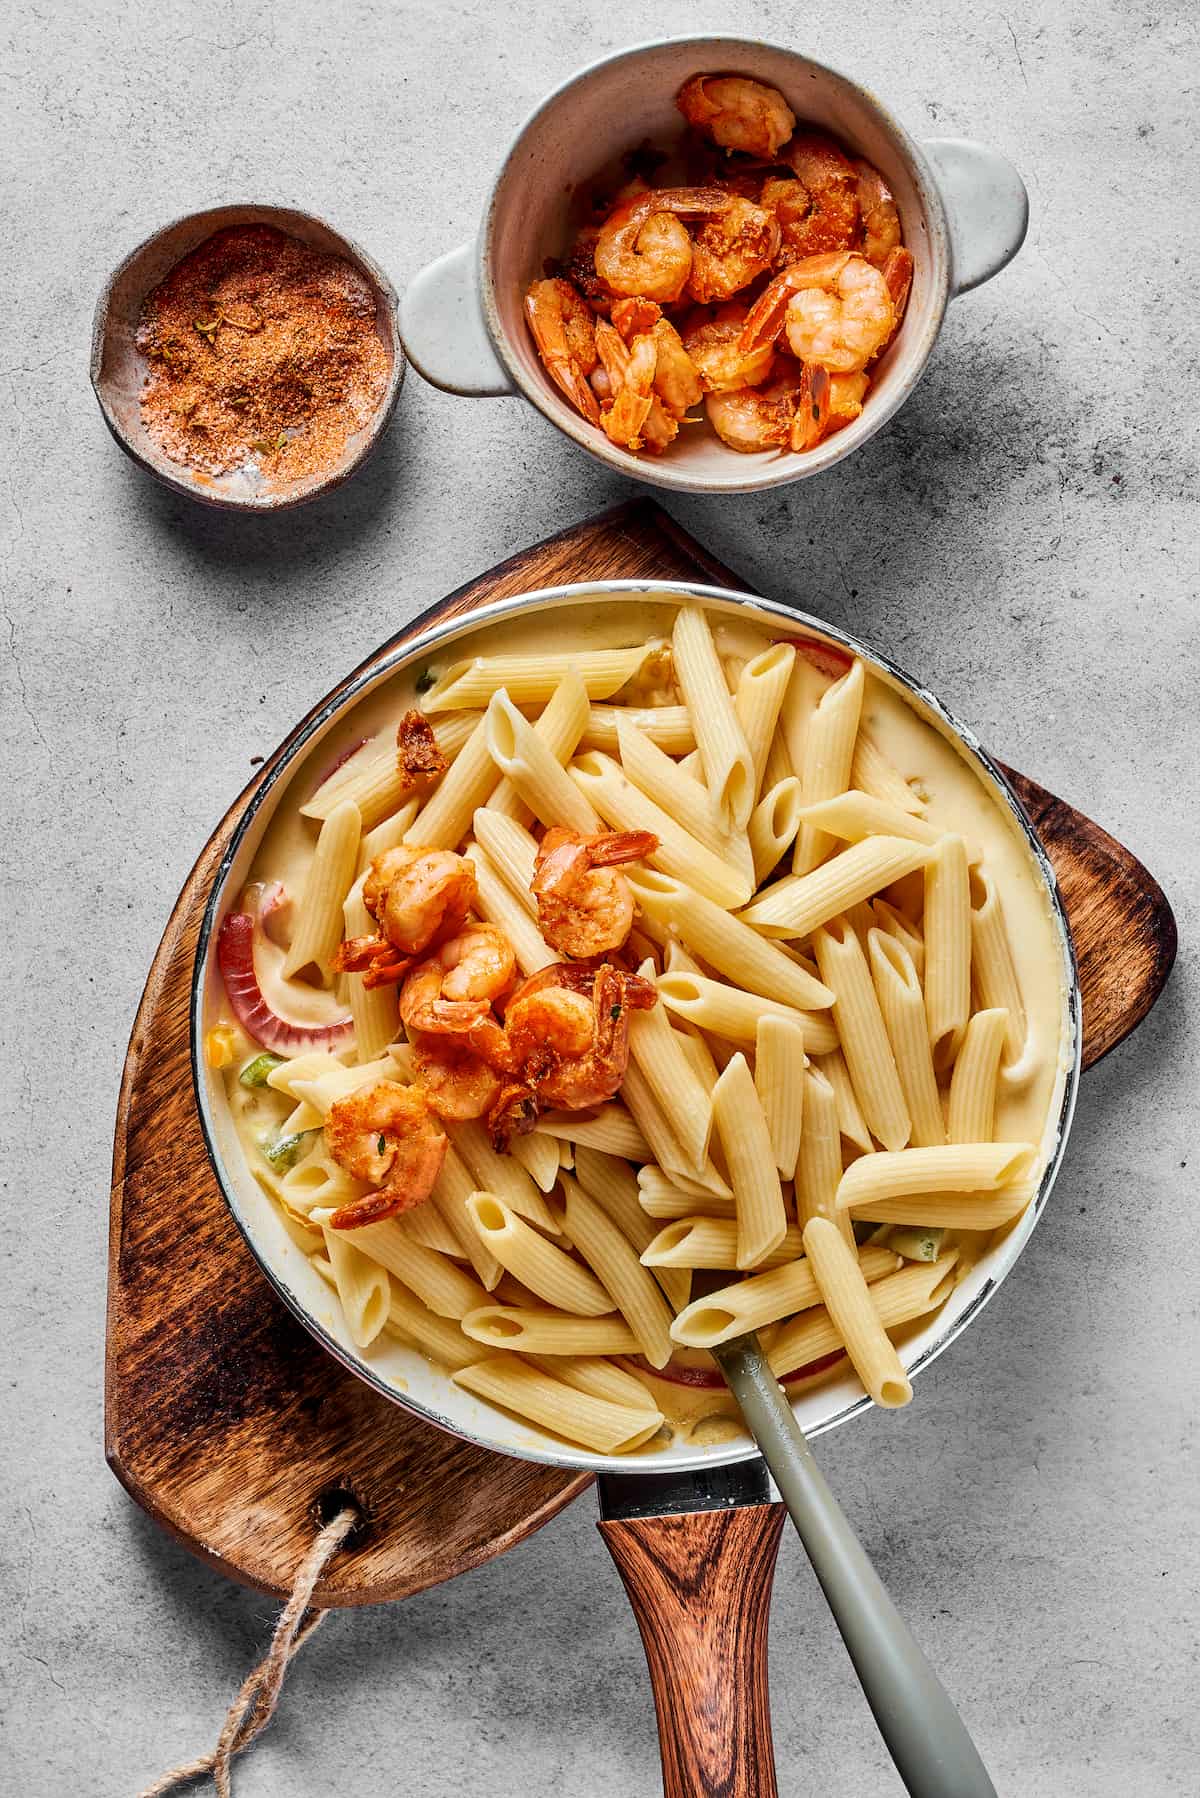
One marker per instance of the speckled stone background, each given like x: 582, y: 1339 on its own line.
x: 1023, y: 535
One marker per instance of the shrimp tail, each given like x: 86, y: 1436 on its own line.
x: 514, y: 1113
x: 372, y: 1208
x: 374, y: 958
x: 617, y: 846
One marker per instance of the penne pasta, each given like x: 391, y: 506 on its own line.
x: 860, y: 1026
x: 496, y: 902
x: 779, y: 1064
x: 724, y: 752
x: 801, y: 903
x: 669, y: 727
x: 758, y: 700
x: 657, y: 1051
x: 500, y: 1174
x: 387, y: 835
x: 955, y: 1167
x: 728, y: 943
x: 318, y: 927
x: 773, y: 826
x: 897, y: 1299
x: 608, y: 1128
x: 871, y: 772
x: 729, y: 1012
x: 445, y: 818
x: 711, y: 1243
x: 338, y: 1082
x: 559, y: 728
x: 362, y: 1287
x: 376, y: 1019
x: 995, y: 971
x: 605, y: 1428
x: 625, y: 807
x: 533, y: 769
x: 538, y: 1155
x: 855, y: 816
x: 453, y: 1187
x: 374, y: 779
x: 602, y: 1379
x: 819, y: 1164
x: 972, y: 1110
x: 746, y: 1140
x: 527, y: 678
x: 851, y: 1123
x: 437, y: 1282
x: 947, y: 949
x: 679, y: 796
x: 426, y: 1225
x: 847, y: 1299
x: 613, y: 1185
x: 511, y: 850
x: 950, y: 1210
x: 764, y: 1298
x: 614, y: 1261
x: 536, y: 1263
x: 902, y: 1005
x: 828, y: 757
x: 800, y: 701
x: 660, y: 1197
x: 440, y: 1337
x: 549, y: 1332
x: 894, y: 923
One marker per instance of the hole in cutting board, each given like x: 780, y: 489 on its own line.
x: 335, y: 1498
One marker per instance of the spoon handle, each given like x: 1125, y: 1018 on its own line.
x: 926, y: 1737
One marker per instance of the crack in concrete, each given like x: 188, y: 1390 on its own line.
x: 22, y: 689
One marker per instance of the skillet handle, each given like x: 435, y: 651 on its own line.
x: 700, y: 1587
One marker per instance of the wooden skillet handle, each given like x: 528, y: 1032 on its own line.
x: 700, y: 1587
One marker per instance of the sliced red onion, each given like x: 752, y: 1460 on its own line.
x: 827, y: 657
x: 235, y: 958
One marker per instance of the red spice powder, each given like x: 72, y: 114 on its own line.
x: 263, y: 353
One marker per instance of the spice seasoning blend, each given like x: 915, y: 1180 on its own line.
x: 263, y: 353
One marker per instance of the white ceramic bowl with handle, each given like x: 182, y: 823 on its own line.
x: 963, y: 207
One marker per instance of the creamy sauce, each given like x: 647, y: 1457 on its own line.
x: 955, y: 796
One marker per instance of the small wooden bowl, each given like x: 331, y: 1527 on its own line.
x: 119, y: 369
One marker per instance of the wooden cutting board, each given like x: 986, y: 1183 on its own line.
x: 223, y: 1418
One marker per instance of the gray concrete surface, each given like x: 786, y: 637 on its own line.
x: 1024, y: 535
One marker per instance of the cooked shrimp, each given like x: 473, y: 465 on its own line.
x: 452, y: 992
x: 676, y: 381
x: 579, y: 268
x: 711, y: 341
x: 635, y: 415
x: 733, y: 249
x: 835, y: 309
x: 384, y: 1134
x: 567, y: 1036
x: 737, y: 113
x: 880, y: 218
x: 643, y: 249
x: 585, y: 907
x: 752, y: 419
x: 897, y: 271
x: 824, y: 215
x: 414, y: 895
x: 564, y: 329
x: 457, y: 1082
x: 826, y: 403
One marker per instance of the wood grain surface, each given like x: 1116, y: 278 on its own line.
x: 700, y: 1588
x: 223, y: 1417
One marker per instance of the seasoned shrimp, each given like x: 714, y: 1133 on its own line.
x: 737, y: 113
x: 733, y: 249
x: 414, y: 895
x: 835, y: 309
x: 711, y: 341
x: 457, y: 1082
x: 451, y: 993
x: 823, y: 216
x: 635, y: 415
x: 386, y: 1135
x: 643, y: 249
x: 564, y: 329
x: 880, y: 218
x: 567, y: 1039
x: 676, y: 381
x: 585, y: 907
x: 752, y: 419
x: 826, y: 403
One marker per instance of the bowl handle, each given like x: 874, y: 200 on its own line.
x: 987, y: 205
x: 441, y: 324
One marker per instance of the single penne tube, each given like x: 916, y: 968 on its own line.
x: 440, y: 1337
x: 454, y: 1185
x: 596, y: 1424
x: 538, y: 1155
x: 302, y: 1067
x: 669, y: 727
x: 746, y: 1141
x: 724, y: 752
x: 800, y: 903
x: 727, y: 943
x: 302, y: 1118
x: 773, y: 826
x: 758, y: 700
x: 445, y: 818
x: 318, y: 1183
x: 436, y: 1280
x: 362, y: 1287
x: 848, y: 1301
x: 549, y: 1332
x: 764, y: 1298
x: 657, y: 1051
x: 685, y: 800
x: 695, y: 1047
x: 624, y: 807
x: 954, y: 1167
x: 950, y: 1210
x: 512, y: 851
x: 318, y: 928
x: 613, y: 1185
x: 894, y: 923
x: 387, y: 835
x: 614, y: 1261
x: 501, y: 1174
x: 324, y: 1089
x: 800, y: 701
x: 851, y: 1122
x: 819, y: 1164
x: 601, y: 1378
x: 902, y: 1004
x: 779, y: 763
x: 498, y: 904
x: 374, y: 1009
x: 871, y: 772
x: 995, y: 971
x: 662, y: 1199
x: 375, y: 778
x: 546, y: 1270
x: 947, y: 949
x: 864, y: 1039
x: 779, y: 1064
x: 729, y: 1012
x: 608, y: 1128
x: 535, y: 772
x: 898, y: 1298
x: 426, y: 1225
x: 828, y: 757
x: 559, y: 727
x: 854, y: 816
x: 711, y: 1243
x: 651, y: 1120
x: 528, y: 678
x: 971, y: 1116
